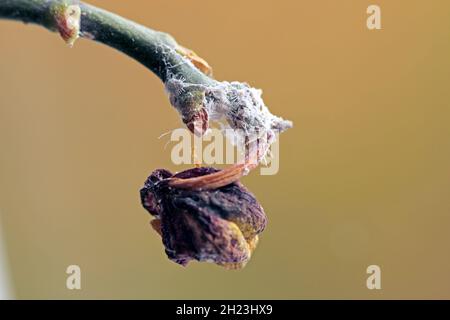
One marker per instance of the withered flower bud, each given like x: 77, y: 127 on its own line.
x: 219, y: 225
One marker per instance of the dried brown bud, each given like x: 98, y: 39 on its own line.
x: 219, y: 225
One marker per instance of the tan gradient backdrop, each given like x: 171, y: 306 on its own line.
x: 364, y: 174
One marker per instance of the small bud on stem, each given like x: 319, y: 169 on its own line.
x: 67, y: 17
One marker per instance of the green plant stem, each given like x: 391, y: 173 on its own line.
x: 193, y: 93
x: 155, y: 50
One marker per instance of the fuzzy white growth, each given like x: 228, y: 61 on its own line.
x: 237, y: 106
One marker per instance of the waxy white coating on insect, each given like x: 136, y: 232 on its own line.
x: 237, y: 106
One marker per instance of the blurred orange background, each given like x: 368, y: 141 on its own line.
x: 364, y: 174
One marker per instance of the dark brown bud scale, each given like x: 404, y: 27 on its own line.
x: 220, y: 225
